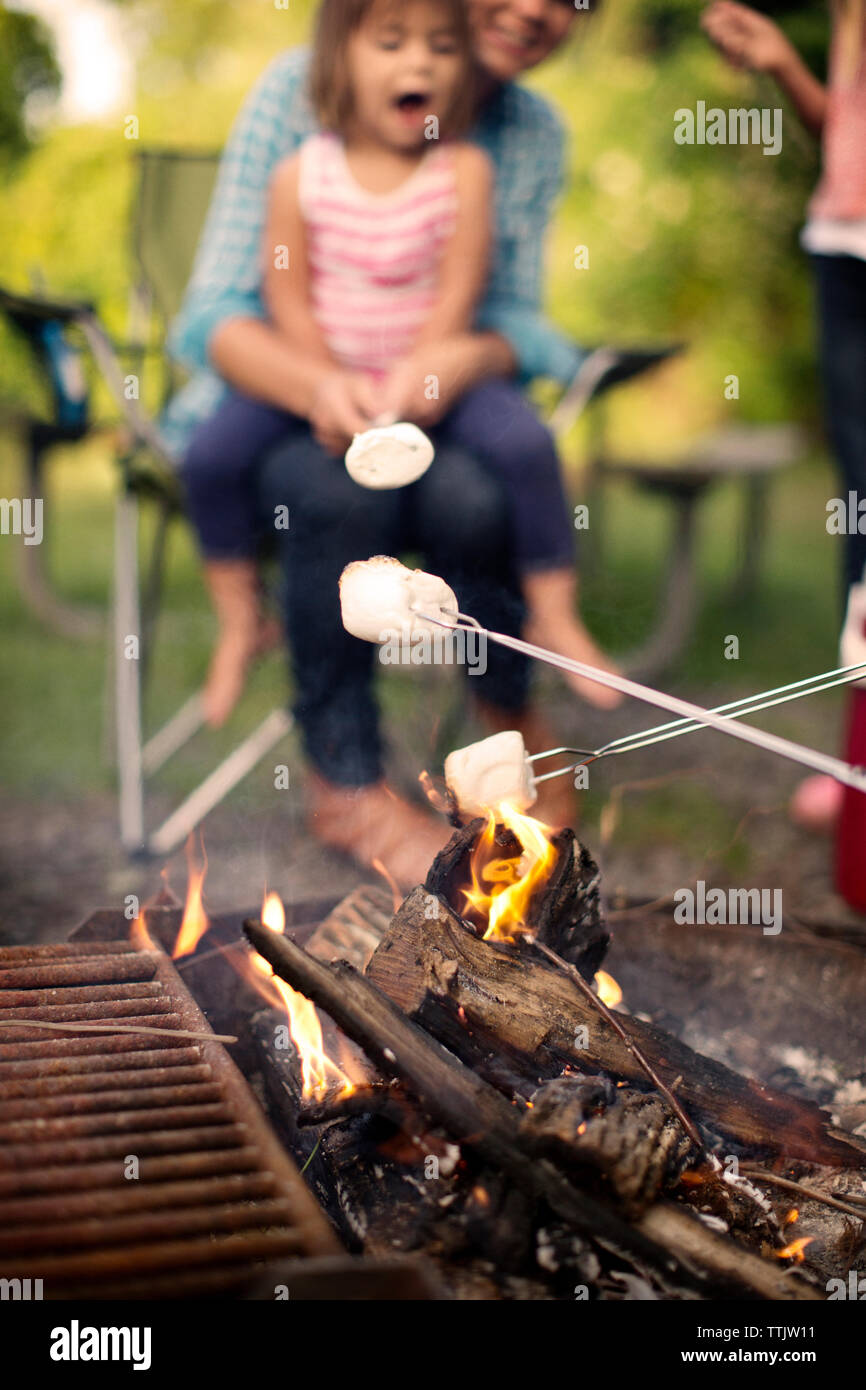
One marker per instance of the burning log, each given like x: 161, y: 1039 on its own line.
x: 481, y: 1118
x: 480, y: 998
x: 565, y: 907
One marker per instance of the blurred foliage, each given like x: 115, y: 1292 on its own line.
x: 28, y: 73
x: 696, y: 243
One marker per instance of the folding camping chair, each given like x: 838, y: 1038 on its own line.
x: 172, y: 196
x: 173, y: 192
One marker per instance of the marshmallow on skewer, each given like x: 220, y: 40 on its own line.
x: 483, y: 775
x: 381, y: 599
x: 389, y: 456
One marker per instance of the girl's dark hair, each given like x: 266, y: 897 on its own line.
x: 330, y: 87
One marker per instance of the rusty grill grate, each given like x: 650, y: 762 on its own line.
x: 215, y: 1194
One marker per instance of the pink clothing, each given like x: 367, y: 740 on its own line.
x: 374, y: 258
x: 841, y: 194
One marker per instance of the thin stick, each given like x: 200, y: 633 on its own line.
x: 312, y: 1156
x: 643, y: 1061
x: 761, y: 1175
x: 115, y: 1028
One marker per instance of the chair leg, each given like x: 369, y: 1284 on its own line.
x: 215, y: 788
x: 152, y: 589
x: 127, y: 653
x: 755, y: 501
x: 678, y: 605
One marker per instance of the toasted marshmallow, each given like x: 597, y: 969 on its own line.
x: 390, y: 456
x: 382, y: 599
x: 483, y: 775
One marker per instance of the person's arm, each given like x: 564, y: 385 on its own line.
x: 286, y: 273
x: 512, y: 336
x: 285, y: 361
x: 259, y: 362
x: 748, y: 39
x: 447, y: 352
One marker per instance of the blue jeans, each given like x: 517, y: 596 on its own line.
x: 490, y: 507
x: 494, y: 422
x: 841, y: 282
x: 455, y: 519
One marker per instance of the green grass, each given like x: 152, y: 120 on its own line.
x: 54, y: 740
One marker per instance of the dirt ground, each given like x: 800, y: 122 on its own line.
x: 657, y: 820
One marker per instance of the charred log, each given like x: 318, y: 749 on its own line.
x: 565, y: 911
x: 466, y: 992
x: 481, y: 1118
x: 627, y: 1139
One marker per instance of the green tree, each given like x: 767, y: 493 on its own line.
x: 28, y: 72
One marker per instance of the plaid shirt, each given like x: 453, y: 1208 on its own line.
x: 519, y: 132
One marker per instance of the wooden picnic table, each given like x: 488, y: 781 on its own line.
x: 748, y: 454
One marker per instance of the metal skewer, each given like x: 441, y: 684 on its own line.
x: 772, y: 743
x: 736, y: 709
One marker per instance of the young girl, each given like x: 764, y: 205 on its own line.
x: 377, y: 244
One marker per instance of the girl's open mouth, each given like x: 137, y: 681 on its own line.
x: 411, y: 102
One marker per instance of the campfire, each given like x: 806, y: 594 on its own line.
x: 510, y: 1120
x: 458, y: 1080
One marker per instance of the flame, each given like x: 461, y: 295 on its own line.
x: 195, y: 920
x: 318, y: 1072
x: 609, y: 991
x: 794, y: 1251
x: 139, y: 936
x: 793, y: 1215
x: 694, y: 1177
x: 273, y: 915
x: 505, y: 903
x: 396, y: 895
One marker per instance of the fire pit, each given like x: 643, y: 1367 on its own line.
x: 132, y: 1163
x: 523, y: 1134
x: 467, y: 1089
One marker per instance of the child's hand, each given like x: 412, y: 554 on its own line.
x: 345, y: 404
x: 746, y: 38
x: 402, y: 392
x: 424, y: 386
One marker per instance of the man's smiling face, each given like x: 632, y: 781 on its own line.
x: 510, y: 36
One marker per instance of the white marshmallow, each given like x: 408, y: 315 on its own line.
x: 484, y: 775
x: 391, y: 456
x: 382, y: 599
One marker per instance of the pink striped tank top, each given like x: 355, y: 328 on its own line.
x: 374, y: 258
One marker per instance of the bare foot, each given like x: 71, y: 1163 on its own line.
x: 817, y: 804
x: 571, y: 640
x: 233, y: 655
x: 374, y: 823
